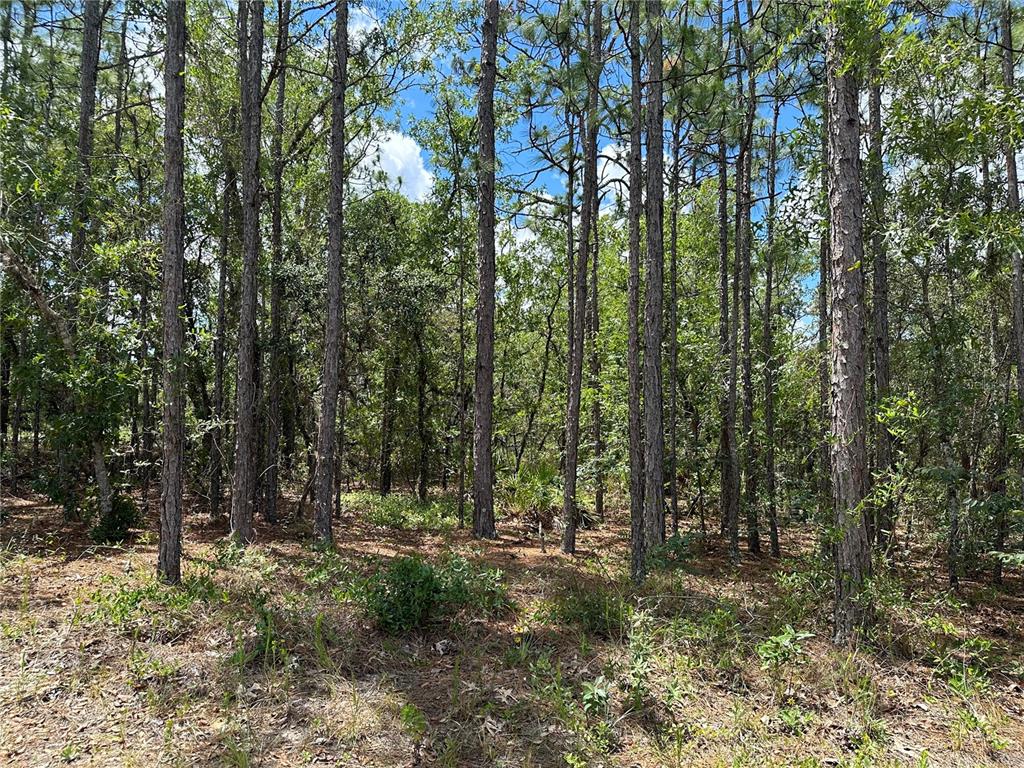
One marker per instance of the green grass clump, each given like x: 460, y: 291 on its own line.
x: 595, y: 609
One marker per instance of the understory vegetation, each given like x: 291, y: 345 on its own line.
x: 413, y: 639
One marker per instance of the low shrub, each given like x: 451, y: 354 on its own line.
x: 409, y: 592
x: 116, y: 526
x: 402, y: 596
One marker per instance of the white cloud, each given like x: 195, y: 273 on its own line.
x: 401, y: 160
x: 361, y: 20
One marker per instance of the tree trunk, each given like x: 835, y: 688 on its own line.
x: 243, y: 484
x: 172, y: 473
x: 673, y: 326
x: 638, y: 566
x: 727, y: 439
x: 654, y: 434
x: 483, y: 405
x: 570, y: 511
x: 460, y: 388
x: 92, y: 21
x: 597, y: 428
x: 770, y: 363
x: 387, y: 422
x: 331, y: 375
x: 848, y: 415
x: 824, y: 250
x: 276, y: 374
x: 744, y: 248
x: 1013, y: 206
x: 422, y: 431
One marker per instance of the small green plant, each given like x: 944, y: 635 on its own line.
x: 641, y: 651
x: 967, y: 665
x: 144, y: 669
x: 227, y: 552
x: 795, y: 720
x: 970, y: 722
x: 783, y: 648
x: 463, y: 584
x: 414, y: 723
x: 802, y: 588
x: 675, y: 552
x: 265, y: 644
x: 596, y: 696
x: 409, y: 592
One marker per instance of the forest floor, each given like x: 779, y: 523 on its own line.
x: 271, y: 656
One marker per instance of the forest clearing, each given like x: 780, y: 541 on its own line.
x: 511, y: 383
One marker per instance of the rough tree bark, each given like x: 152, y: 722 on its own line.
x: 172, y: 472
x: 636, y: 446
x: 219, y: 351
x: 727, y: 433
x: 654, y: 430
x: 744, y: 251
x: 570, y: 513
x: 422, y: 428
x: 483, y: 401
x: 770, y: 363
x: 848, y: 419
x: 323, y: 481
x: 673, y: 325
x: 1013, y: 206
x: 597, y: 428
x: 243, y: 483
x: 92, y: 21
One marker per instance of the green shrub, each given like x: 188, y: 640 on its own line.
x: 402, y: 511
x: 409, y: 592
x: 116, y: 526
x: 403, y: 595
x: 465, y: 585
x: 675, y: 552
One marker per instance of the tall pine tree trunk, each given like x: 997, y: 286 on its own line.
x: 770, y: 363
x: 323, y: 481
x: 219, y: 351
x: 727, y: 433
x: 884, y: 515
x: 673, y: 325
x: 579, y: 288
x: 483, y: 401
x: 172, y: 472
x: 744, y: 251
x: 92, y: 22
x: 250, y: 54
x: 1013, y: 206
x: 636, y: 446
x: 654, y: 434
x: 848, y: 356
